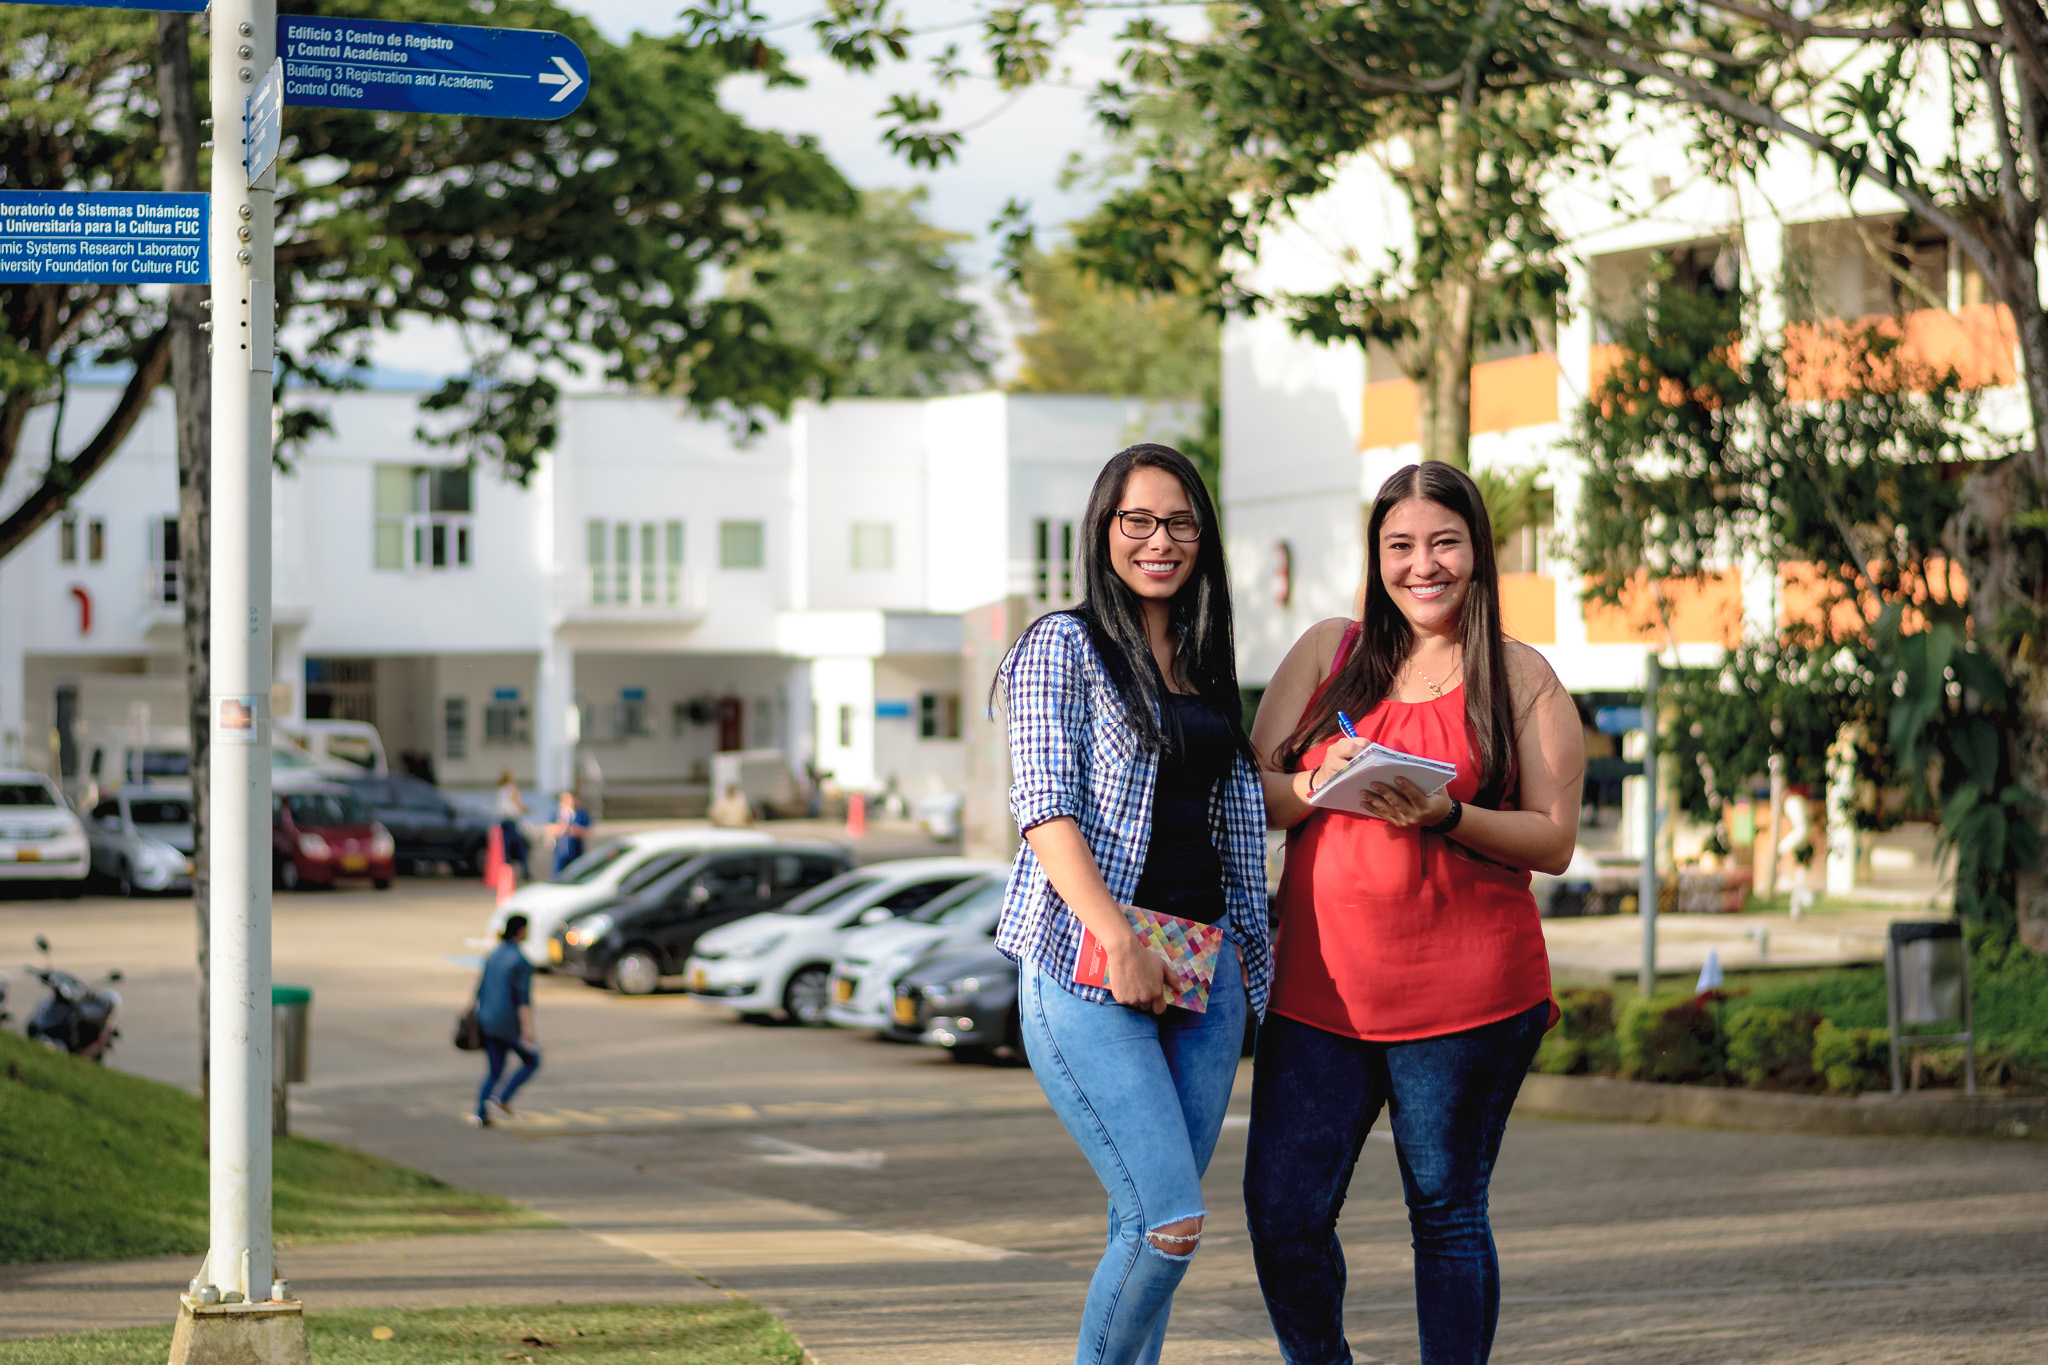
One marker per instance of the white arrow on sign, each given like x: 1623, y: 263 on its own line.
x: 568, y: 80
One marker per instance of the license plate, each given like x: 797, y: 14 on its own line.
x: 906, y: 1010
x: 555, y: 951
x: 842, y: 990
x: 697, y: 980
x: 353, y: 863
x: 28, y: 855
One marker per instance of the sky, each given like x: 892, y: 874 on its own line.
x: 1017, y: 148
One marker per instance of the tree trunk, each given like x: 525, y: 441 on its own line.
x: 191, y: 384
x: 1451, y: 371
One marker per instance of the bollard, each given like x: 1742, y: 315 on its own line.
x: 856, y: 815
x: 508, y: 882
x: 494, y: 855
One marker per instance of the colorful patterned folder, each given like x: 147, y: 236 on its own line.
x: 1189, y: 949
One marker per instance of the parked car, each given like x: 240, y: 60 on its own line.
x: 600, y: 874
x: 352, y: 746
x: 40, y: 839
x: 864, y: 976
x: 321, y: 834
x: 631, y: 943
x: 142, y: 839
x: 426, y: 826
x: 964, y: 1000
x: 781, y: 962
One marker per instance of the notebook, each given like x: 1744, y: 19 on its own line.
x: 1377, y: 764
x: 1188, y: 947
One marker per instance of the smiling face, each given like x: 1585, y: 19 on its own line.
x: 1426, y: 563
x: 1158, y: 566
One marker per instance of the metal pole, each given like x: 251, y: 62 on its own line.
x: 1647, y: 893
x: 243, y: 43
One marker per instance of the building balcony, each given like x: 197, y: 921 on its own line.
x: 1520, y: 391
x: 656, y: 599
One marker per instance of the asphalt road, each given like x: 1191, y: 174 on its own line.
x: 1619, y: 1243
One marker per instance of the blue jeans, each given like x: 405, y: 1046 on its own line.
x: 515, y: 845
x: 1315, y: 1095
x: 494, y: 1052
x: 1144, y: 1096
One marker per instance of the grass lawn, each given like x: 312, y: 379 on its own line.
x: 733, y: 1333
x: 96, y: 1165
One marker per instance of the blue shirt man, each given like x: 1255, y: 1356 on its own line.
x: 504, y: 1010
x: 571, y: 820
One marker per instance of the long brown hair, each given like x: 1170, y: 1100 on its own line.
x: 1385, y: 639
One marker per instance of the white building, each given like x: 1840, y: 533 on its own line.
x: 656, y: 593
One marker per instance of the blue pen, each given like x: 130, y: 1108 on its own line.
x: 1344, y: 722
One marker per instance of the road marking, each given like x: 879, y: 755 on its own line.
x: 566, y: 1122
x: 778, y: 1152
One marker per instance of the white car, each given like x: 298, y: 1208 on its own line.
x: 40, y: 839
x: 864, y: 976
x: 614, y: 868
x: 781, y: 962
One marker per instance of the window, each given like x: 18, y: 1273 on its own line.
x: 1066, y: 561
x: 423, y: 518
x: 609, y: 549
x: 938, y: 715
x: 163, y: 561
x: 596, y: 538
x: 633, y: 714
x: 874, y: 545
x: 742, y: 545
x: 505, y: 721
x: 455, y: 727
x: 1043, y: 534
x: 67, y: 539
x: 672, y: 564
x: 96, y: 540
x: 650, y: 564
x: 846, y: 727
x: 622, y: 564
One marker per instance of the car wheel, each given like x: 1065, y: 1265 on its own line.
x: 636, y: 973
x: 72, y: 889
x: 381, y: 883
x: 804, y: 998
x: 288, y: 875
x: 124, y: 881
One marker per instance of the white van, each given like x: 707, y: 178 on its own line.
x: 120, y: 758
x: 337, y: 745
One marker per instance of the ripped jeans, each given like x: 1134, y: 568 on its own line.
x: 1144, y: 1097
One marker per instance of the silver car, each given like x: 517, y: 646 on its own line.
x: 142, y: 839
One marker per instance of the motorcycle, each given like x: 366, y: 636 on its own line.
x: 76, y: 1018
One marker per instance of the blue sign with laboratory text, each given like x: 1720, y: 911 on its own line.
x: 60, y: 236
x: 175, y: 6
x: 429, y: 68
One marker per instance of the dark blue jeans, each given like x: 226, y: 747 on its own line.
x: 494, y: 1052
x: 1315, y: 1095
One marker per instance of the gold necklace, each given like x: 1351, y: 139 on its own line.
x: 1436, y: 689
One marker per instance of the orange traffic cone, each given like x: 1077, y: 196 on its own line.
x: 856, y: 815
x: 508, y: 882
x: 494, y: 855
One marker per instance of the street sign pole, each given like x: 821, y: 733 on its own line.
x: 239, y: 1265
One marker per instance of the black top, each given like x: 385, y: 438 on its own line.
x: 1183, y: 870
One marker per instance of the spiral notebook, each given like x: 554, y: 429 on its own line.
x: 1188, y: 947
x: 1376, y: 763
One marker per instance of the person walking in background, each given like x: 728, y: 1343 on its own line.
x: 504, y: 1012
x: 1135, y: 785
x: 1409, y: 969
x: 570, y: 822
x: 511, y: 810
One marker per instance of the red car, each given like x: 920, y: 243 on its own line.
x: 325, y: 834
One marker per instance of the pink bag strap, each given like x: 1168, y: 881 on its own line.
x: 1344, y: 646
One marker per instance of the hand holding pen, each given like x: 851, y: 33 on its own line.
x: 1337, y: 757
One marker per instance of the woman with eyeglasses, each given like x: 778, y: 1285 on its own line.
x: 1135, y: 785
x: 1409, y: 968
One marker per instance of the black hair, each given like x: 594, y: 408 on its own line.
x: 1205, y: 649
x: 513, y: 924
x: 1386, y: 639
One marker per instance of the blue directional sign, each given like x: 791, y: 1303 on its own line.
x: 176, y: 6
x: 57, y: 236
x: 263, y: 123
x: 429, y: 68
x: 1618, y: 720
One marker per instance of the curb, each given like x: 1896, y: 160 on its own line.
x: 1943, y: 1114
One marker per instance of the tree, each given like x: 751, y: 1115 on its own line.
x: 876, y: 296
x: 591, y: 240
x: 1826, y: 459
x: 1090, y: 337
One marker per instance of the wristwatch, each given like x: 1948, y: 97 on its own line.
x: 1449, y: 822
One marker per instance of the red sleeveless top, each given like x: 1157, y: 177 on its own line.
x: 1391, y: 934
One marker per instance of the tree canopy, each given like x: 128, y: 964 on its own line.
x: 1090, y: 337
x: 876, y: 296
x: 590, y: 243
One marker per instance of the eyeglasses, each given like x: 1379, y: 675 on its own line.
x: 1141, y: 525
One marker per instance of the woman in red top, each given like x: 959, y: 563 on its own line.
x: 1409, y: 969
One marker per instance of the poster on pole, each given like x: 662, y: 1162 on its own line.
x: 263, y: 122
x: 62, y: 236
x: 430, y: 68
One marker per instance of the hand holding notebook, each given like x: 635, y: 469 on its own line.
x: 1187, y: 947
x: 1376, y: 764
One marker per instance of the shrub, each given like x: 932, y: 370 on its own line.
x: 1583, y: 1042
x: 1768, y: 1046
x: 1852, y: 1060
x: 1671, y: 1039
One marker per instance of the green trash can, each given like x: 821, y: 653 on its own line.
x: 292, y: 1010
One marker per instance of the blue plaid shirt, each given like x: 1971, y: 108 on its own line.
x: 1074, y: 753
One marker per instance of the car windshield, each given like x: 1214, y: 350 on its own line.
x: 939, y: 909
x: 157, y: 811
x: 317, y: 809
x: 823, y: 900
x: 144, y: 764
x: 592, y: 864
x: 985, y: 897
x: 26, y: 794
x: 660, y: 865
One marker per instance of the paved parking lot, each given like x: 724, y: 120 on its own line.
x: 898, y: 1207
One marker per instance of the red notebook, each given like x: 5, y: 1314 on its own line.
x: 1189, y: 949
